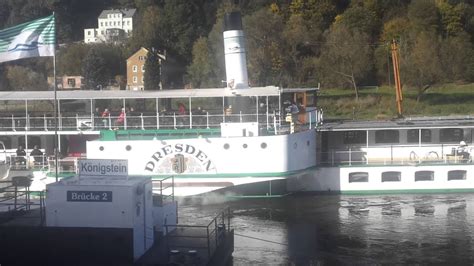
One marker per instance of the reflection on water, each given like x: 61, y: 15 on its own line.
x: 427, y: 229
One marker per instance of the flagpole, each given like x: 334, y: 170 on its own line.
x: 55, y: 106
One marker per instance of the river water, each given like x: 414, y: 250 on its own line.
x: 336, y: 229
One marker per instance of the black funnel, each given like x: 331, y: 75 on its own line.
x: 232, y: 21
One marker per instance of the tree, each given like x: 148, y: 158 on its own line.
x: 457, y: 66
x: 70, y: 59
x: 264, y: 42
x: 346, y: 57
x: 94, y: 69
x: 26, y: 79
x: 200, y: 70
x: 424, y: 16
x: 152, y: 77
x: 420, y: 64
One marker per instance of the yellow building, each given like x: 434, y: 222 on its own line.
x: 136, y: 69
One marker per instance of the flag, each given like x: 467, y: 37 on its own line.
x: 31, y: 39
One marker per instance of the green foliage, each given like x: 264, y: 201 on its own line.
x: 94, y: 69
x: 424, y: 16
x: 346, y: 57
x: 26, y: 79
x: 152, y: 77
x: 200, y: 69
x: 69, y: 59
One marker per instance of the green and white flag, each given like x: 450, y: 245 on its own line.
x: 30, y: 39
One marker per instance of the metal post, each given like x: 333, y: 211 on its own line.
x: 267, y: 112
x: 157, y: 113
x: 208, y: 243
x: 190, y: 113
x: 174, y: 120
x: 207, y: 119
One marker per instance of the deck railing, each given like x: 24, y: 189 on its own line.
x: 86, y: 122
x: 395, y: 155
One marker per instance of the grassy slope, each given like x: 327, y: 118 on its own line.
x: 379, y: 103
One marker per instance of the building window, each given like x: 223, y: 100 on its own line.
x: 413, y: 135
x: 135, y: 79
x: 102, y: 24
x: 134, y: 68
x: 386, y: 136
x: 106, y: 23
x: 424, y: 176
x: 354, y: 137
x: 71, y: 83
x: 128, y: 22
x: 143, y: 68
x: 391, y: 176
x: 88, y: 32
x: 142, y: 80
x: 457, y: 175
x: 358, y: 177
x: 452, y: 135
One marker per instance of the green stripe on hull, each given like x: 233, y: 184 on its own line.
x: 407, y: 191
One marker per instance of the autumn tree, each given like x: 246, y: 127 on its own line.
x: 346, y: 57
x: 420, y: 64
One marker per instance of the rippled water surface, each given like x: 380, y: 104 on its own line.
x: 300, y: 230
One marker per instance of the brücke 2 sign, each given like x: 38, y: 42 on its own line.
x: 102, y: 167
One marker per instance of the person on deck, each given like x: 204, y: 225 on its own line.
x: 463, y: 151
x: 37, y: 154
x: 105, y: 117
x: 20, y: 155
x: 121, y: 119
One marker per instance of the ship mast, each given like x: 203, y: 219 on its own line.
x: 396, y: 77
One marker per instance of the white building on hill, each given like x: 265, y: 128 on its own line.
x: 114, y: 26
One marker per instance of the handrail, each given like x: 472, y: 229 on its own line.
x: 87, y: 122
x: 216, y: 229
x: 396, y: 155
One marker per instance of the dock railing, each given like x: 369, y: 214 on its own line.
x: 16, y: 199
x: 395, y: 155
x: 203, y: 239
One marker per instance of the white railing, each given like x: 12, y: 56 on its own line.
x: 396, y: 155
x: 147, y: 121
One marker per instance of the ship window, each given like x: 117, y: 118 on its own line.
x: 226, y: 146
x: 424, y: 176
x: 358, y: 177
x: 386, y: 136
x: 354, y: 137
x: 451, y: 135
x: 101, y: 148
x: 245, y: 146
x: 391, y: 176
x: 413, y: 135
x: 128, y: 147
x: 457, y: 175
x: 263, y: 145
